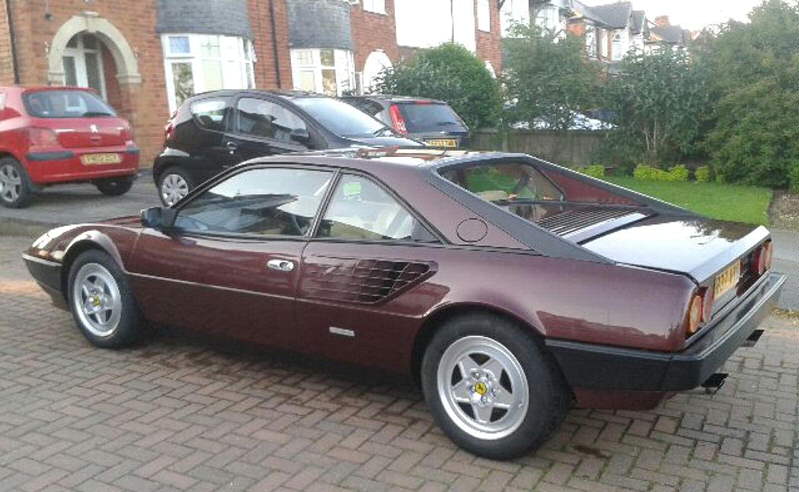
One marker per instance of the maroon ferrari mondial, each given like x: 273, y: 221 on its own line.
x: 509, y: 287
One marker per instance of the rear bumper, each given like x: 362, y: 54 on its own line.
x: 612, y: 368
x: 65, y: 165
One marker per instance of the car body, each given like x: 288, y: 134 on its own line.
x: 429, y: 120
x: 601, y: 294
x: 215, y: 130
x: 53, y: 135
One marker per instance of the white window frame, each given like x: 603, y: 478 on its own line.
x: 78, y: 53
x: 343, y: 64
x: 484, y: 15
x: 375, y: 6
x: 241, y: 62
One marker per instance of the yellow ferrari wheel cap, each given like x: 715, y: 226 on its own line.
x: 480, y: 388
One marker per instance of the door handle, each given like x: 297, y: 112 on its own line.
x: 280, y: 265
x: 232, y: 147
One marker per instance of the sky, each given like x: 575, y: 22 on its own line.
x: 692, y: 14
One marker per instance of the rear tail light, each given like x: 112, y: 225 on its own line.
x: 397, y: 120
x: 127, y: 133
x: 694, y: 317
x: 168, y: 130
x: 42, y: 137
x: 761, y: 262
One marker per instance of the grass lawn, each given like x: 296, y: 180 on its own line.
x: 721, y: 201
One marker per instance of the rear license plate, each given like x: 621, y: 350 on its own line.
x: 99, y: 159
x: 727, y: 279
x: 450, y: 143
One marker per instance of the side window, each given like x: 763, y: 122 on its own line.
x: 273, y: 202
x: 210, y: 113
x: 361, y: 210
x: 266, y: 119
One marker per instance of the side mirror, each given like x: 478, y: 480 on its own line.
x: 300, y: 135
x: 158, y: 217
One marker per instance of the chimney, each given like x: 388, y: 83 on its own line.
x: 662, y: 21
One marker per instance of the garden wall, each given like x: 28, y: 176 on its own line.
x: 573, y: 148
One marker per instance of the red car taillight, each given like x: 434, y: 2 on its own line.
x: 168, y: 129
x: 127, y: 133
x: 42, y: 137
x: 761, y: 262
x: 397, y: 120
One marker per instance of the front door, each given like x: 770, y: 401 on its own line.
x: 83, y: 63
x: 231, y: 265
x: 264, y: 127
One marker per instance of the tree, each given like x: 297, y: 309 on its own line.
x: 754, y: 136
x: 657, y: 101
x: 547, y: 81
x: 450, y: 73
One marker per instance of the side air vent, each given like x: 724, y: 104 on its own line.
x: 361, y: 281
x: 580, y: 218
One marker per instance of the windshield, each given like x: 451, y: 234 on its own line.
x: 425, y: 117
x: 66, y: 104
x: 341, y: 118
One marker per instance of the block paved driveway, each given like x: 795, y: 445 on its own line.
x: 186, y: 414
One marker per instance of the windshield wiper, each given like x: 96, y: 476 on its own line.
x: 381, y: 132
x: 89, y: 114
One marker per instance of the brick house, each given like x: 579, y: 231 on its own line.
x: 145, y: 56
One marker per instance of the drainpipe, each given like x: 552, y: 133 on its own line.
x: 13, y: 43
x: 275, y: 54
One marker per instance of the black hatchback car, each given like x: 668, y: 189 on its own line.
x: 431, y: 121
x: 216, y: 130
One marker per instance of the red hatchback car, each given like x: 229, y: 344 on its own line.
x: 51, y: 135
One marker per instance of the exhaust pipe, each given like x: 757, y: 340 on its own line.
x: 753, y: 338
x: 714, y: 383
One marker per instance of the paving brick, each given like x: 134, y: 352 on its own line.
x: 182, y: 414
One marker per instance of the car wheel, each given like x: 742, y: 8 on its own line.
x: 173, y: 185
x: 491, y: 388
x: 102, y: 303
x: 15, y: 187
x: 115, y: 186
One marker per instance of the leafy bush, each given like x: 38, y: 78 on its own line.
x: 657, y: 100
x: 754, y: 127
x: 450, y: 73
x: 648, y: 173
x: 702, y: 174
x: 595, y: 171
x: 793, y: 177
x: 546, y: 80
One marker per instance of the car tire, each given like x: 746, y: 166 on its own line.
x: 102, y: 303
x: 115, y: 186
x: 173, y: 184
x: 16, y: 189
x: 511, y: 399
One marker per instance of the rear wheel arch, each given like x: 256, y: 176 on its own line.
x: 437, y: 319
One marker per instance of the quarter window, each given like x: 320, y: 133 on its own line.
x: 361, y: 210
x: 262, y: 202
x: 265, y: 119
x: 210, y: 113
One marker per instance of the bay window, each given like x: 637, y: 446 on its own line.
x: 195, y: 63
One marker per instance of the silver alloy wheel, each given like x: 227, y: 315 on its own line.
x: 96, y: 299
x: 173, y: 188
x: 482, y: 387
x: 10, y: 183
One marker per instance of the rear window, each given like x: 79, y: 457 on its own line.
x: 505, y: 183
x: 65, y: 104
x: 423, y: 118
x: 339, y: 117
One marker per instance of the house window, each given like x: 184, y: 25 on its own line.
x: 376, y: 6
x: 618, y: 46
x: 197, y: 63
x: 590, y: 42
x: 83, y: 63
x: 325, y: 71
x: 484, y: 15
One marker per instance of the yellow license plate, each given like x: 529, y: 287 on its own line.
x: 450, y: 143
x: 103, y: 158
x: 727, y: 279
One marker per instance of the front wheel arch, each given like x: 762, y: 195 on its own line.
x: 73, y: 251
x: 445, y: 313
